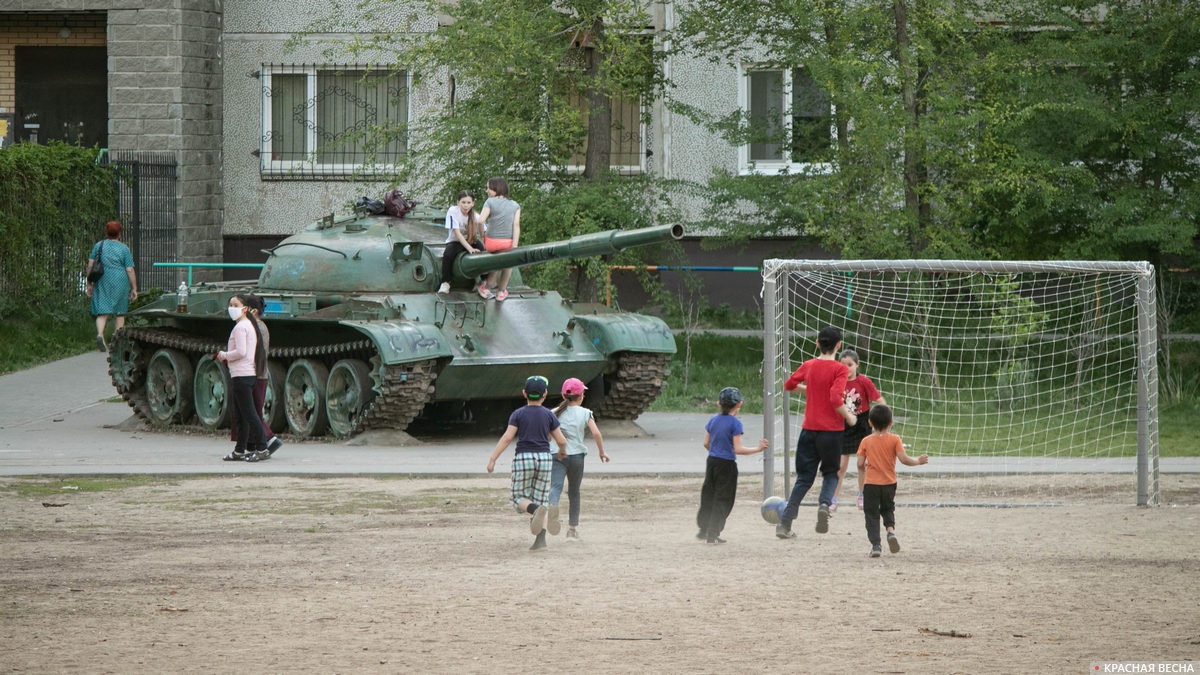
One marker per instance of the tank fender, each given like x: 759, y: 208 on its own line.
x: 402, y: 342
x: 611, y: 333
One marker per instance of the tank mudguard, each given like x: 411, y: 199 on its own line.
x: 402, y: 342
x: 611, y: 333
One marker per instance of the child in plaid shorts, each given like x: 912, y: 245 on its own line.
x: 532, y: 425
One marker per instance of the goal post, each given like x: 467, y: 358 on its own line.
x: 999, y: 370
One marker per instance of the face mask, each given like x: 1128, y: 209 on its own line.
x: 235, y: 313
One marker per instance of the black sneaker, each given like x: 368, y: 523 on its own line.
x: 540, y: 542
x: 702, y: 535
x: 875, y: 552
x: 274, y: 445
x: 822, y: 519
x: 235, y: 456
x: 716, y: 540
x: 100, y: 343
x: 255, y: 456
x: 784, y: 532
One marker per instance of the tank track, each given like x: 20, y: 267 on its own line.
x: 632, y: 386
x: 401, y: 391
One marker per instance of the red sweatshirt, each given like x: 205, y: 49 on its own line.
x: 825, y: 391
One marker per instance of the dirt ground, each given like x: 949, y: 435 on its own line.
x: 433, y: 574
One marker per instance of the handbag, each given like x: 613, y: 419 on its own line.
x: 97, y: 267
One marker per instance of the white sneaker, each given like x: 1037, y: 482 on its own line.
x: 444, y: 288
x: 538, y: 522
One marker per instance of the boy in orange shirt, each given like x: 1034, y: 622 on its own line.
x: 877, y: 455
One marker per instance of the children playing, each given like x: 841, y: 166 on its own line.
x: 723, y: 440
x: 877, y: 456
x: 575, y: 419
x: 533, y: 426
x: 820, y: 442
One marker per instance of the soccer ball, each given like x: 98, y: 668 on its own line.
x: 772, y: 509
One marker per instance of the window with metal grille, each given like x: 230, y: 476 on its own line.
x: 627, y: 149
x: 321, y: 121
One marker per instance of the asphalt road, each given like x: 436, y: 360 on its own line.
x: 65, y: 418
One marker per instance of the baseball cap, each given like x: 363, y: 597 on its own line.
x: 729, y: 396
x: 535, y: 387
x: 573, y: 387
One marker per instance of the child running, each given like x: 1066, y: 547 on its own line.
x: 823, y: 380
x: 723, y: 440
x: 575, y: 419
x: 533, y: 426
x: 861, y: 394
x: 877, y: 456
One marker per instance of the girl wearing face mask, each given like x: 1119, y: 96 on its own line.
x: 245, y: 356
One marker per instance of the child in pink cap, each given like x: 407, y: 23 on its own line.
x: 575, y: 419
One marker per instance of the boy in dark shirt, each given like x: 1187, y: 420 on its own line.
x: 532, y: 426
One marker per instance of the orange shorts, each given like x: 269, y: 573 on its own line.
x: 496, y: 245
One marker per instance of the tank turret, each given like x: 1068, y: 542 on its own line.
x: 359, y: 339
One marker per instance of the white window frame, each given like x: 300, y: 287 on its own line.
x: 749, y: 167
x: 309, y: 166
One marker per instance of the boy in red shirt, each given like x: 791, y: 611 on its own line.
x: 823, y: 381
x: 877, y: 456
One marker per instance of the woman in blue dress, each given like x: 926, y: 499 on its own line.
x: 117, y: 287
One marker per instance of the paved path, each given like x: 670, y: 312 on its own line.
x: 64, y: 418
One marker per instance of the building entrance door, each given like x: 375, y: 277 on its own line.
x: 62, y: 94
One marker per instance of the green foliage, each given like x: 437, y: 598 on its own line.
x: 716, y: 362
x: 33, y: 335
x: 522, y: 83
x: 566, y: 210
x: 55, y: 199
x: 1067, y: 132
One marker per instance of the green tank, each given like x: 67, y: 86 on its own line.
x: 360, y: 339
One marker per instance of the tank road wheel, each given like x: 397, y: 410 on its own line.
x: 169, y: 387
x: 126, y: 363
x: 304, y: 397
x: 273, y: 407
x: 349, y: 392
x: 212, y: 393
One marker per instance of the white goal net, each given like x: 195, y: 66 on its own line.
x: 999, y: 371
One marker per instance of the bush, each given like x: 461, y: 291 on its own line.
x: 55, y: 197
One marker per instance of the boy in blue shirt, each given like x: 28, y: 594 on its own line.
x: 723, y: 440
x: 533, y: 426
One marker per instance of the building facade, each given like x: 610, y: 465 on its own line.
x: 221, y: 87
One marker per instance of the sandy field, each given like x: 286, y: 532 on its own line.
x: 279, y: 574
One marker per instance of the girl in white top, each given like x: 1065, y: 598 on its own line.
x: 245, y: 356
x: 573, y: 419
x: 464, y: 230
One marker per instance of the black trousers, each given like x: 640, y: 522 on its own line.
x: 250, y: 435
x: 717, y: 495
x: 879, y: 500
x: 453, y: 250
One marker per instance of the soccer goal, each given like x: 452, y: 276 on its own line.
x: 1025, y: 382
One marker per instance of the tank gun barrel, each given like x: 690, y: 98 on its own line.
x: 583, y: 246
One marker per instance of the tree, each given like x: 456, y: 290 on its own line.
x: 993, y: 129
x: 524, y: 89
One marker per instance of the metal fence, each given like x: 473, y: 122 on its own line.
x: 147, y: 209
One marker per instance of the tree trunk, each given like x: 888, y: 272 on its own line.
x: 908, y: 95
x: 599, y: 134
